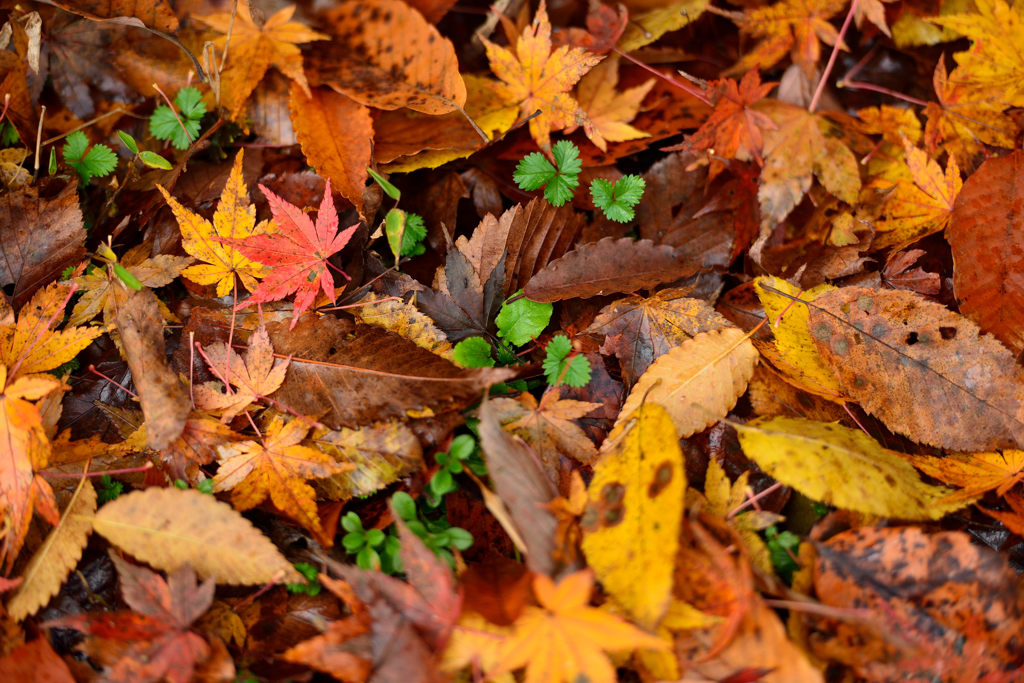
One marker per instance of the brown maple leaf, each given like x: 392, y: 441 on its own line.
x: 548, y: 426
x: 257, y: 378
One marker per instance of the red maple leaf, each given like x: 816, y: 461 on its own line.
x: 297, y: 253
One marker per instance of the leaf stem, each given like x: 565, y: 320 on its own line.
x: 668, y: 79
x: 832, y: 58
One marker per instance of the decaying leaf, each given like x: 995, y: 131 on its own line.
x: 255, y: 378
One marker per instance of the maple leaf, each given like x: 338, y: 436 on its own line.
x: 920, y: 206
x: 154, y: 642
x: 976, y: 473
x: 793, y: 26
x: 297, y: 253
x: 734, y: 130
x: 548, y: 426
x: 608, y: 109
x: 277, y: 469
x: 538, y: 79
x: 234, y: 218
x: 565, y: 639
x: 254, y: 49
x: 994, y: 65
x: 151, y: 272
x: 257, y: 378
x: 873, y: 11
x: 964, y: 120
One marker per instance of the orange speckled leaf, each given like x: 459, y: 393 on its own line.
x: 536, y: 78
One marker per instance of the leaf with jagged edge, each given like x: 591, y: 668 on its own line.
x: 57, y: 556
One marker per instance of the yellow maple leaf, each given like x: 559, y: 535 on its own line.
x: 538, y: 79
x: 565, y: 639
x: 608, y: 109
x: 919, y: 206
x: 977, y: 473
x: 725, y: 497
x: 793, y: 26
x: 32, y: 345
x: 252, y: 380
x: 255, y: 48
x: 994, y: 64
x: 634, y: 513
x: 152, y: 272
x: 277, y: 469
x: 963, y: 120
x: 235, y: 219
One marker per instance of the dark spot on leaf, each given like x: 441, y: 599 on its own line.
x: 822, y: 332
x: 947, y: 333
x: 865, y: 303
x: 614, y: 516
x: 662, y: 478
x: 613, y: 493
x: 841, y: 346
x: 911, y: 339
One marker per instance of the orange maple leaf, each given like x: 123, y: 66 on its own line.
x: 277, y: 469
x: 734, y: 130
x: 793, y: 26
x: 540, y: 80
x: 609, y: 110
x: 977, y: 473
x: 234, y: 218
x: 919, y: 206
x: 565, y: 639
x: 548, y: 426
x: 255, y: 48
x: 257, y: 378
x: 298, y: 252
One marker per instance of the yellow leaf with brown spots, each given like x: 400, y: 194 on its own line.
x: 633, y: 515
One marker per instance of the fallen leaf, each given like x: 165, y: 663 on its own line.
x: 35, y: 661
x: 255, y: 48
x: 420, y: 71
x: 167, y: 528
x: 789, y: 26
x: 404, y: 320
x: 565, y: 638
x: 975, y: 473
x: 923, y: 370
x: 343, y: 156
x: 610, y: 110
x: 634, y: 513
x: 379, y: 454
x: 548, y: 426
x: 984, y: 229
x: 842, y: 467
x: 234, y: 218
x: 646, y: 27
x: 537, y: 78
x: 276, y: 468
x: 57, y: 556
x: 734, y: 130
x: 296, y: 255
x: 256, y: 378
x: 697, y: 382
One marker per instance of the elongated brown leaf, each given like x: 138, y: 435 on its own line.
x: 523, y: 487
x: 697, y: 382
x: 387, y: 56
x: 168, y: 527
x: 926, y: 372
x: 57, y: 556
x: 985, y: 233
x: 165, y: 403
x: 607, y: 266
x: 360, y: 374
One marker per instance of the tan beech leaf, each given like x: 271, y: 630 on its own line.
x: 697, y: 382
x: 165, y: 402
x: 360, y: 374
x: 606, y: 266
x: 387, y: 56
x: 926, y: 372
x: 344, y: 154
x: 57, y: 556
x: 168, y: 527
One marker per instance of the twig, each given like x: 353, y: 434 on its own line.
x: 832, y: 58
